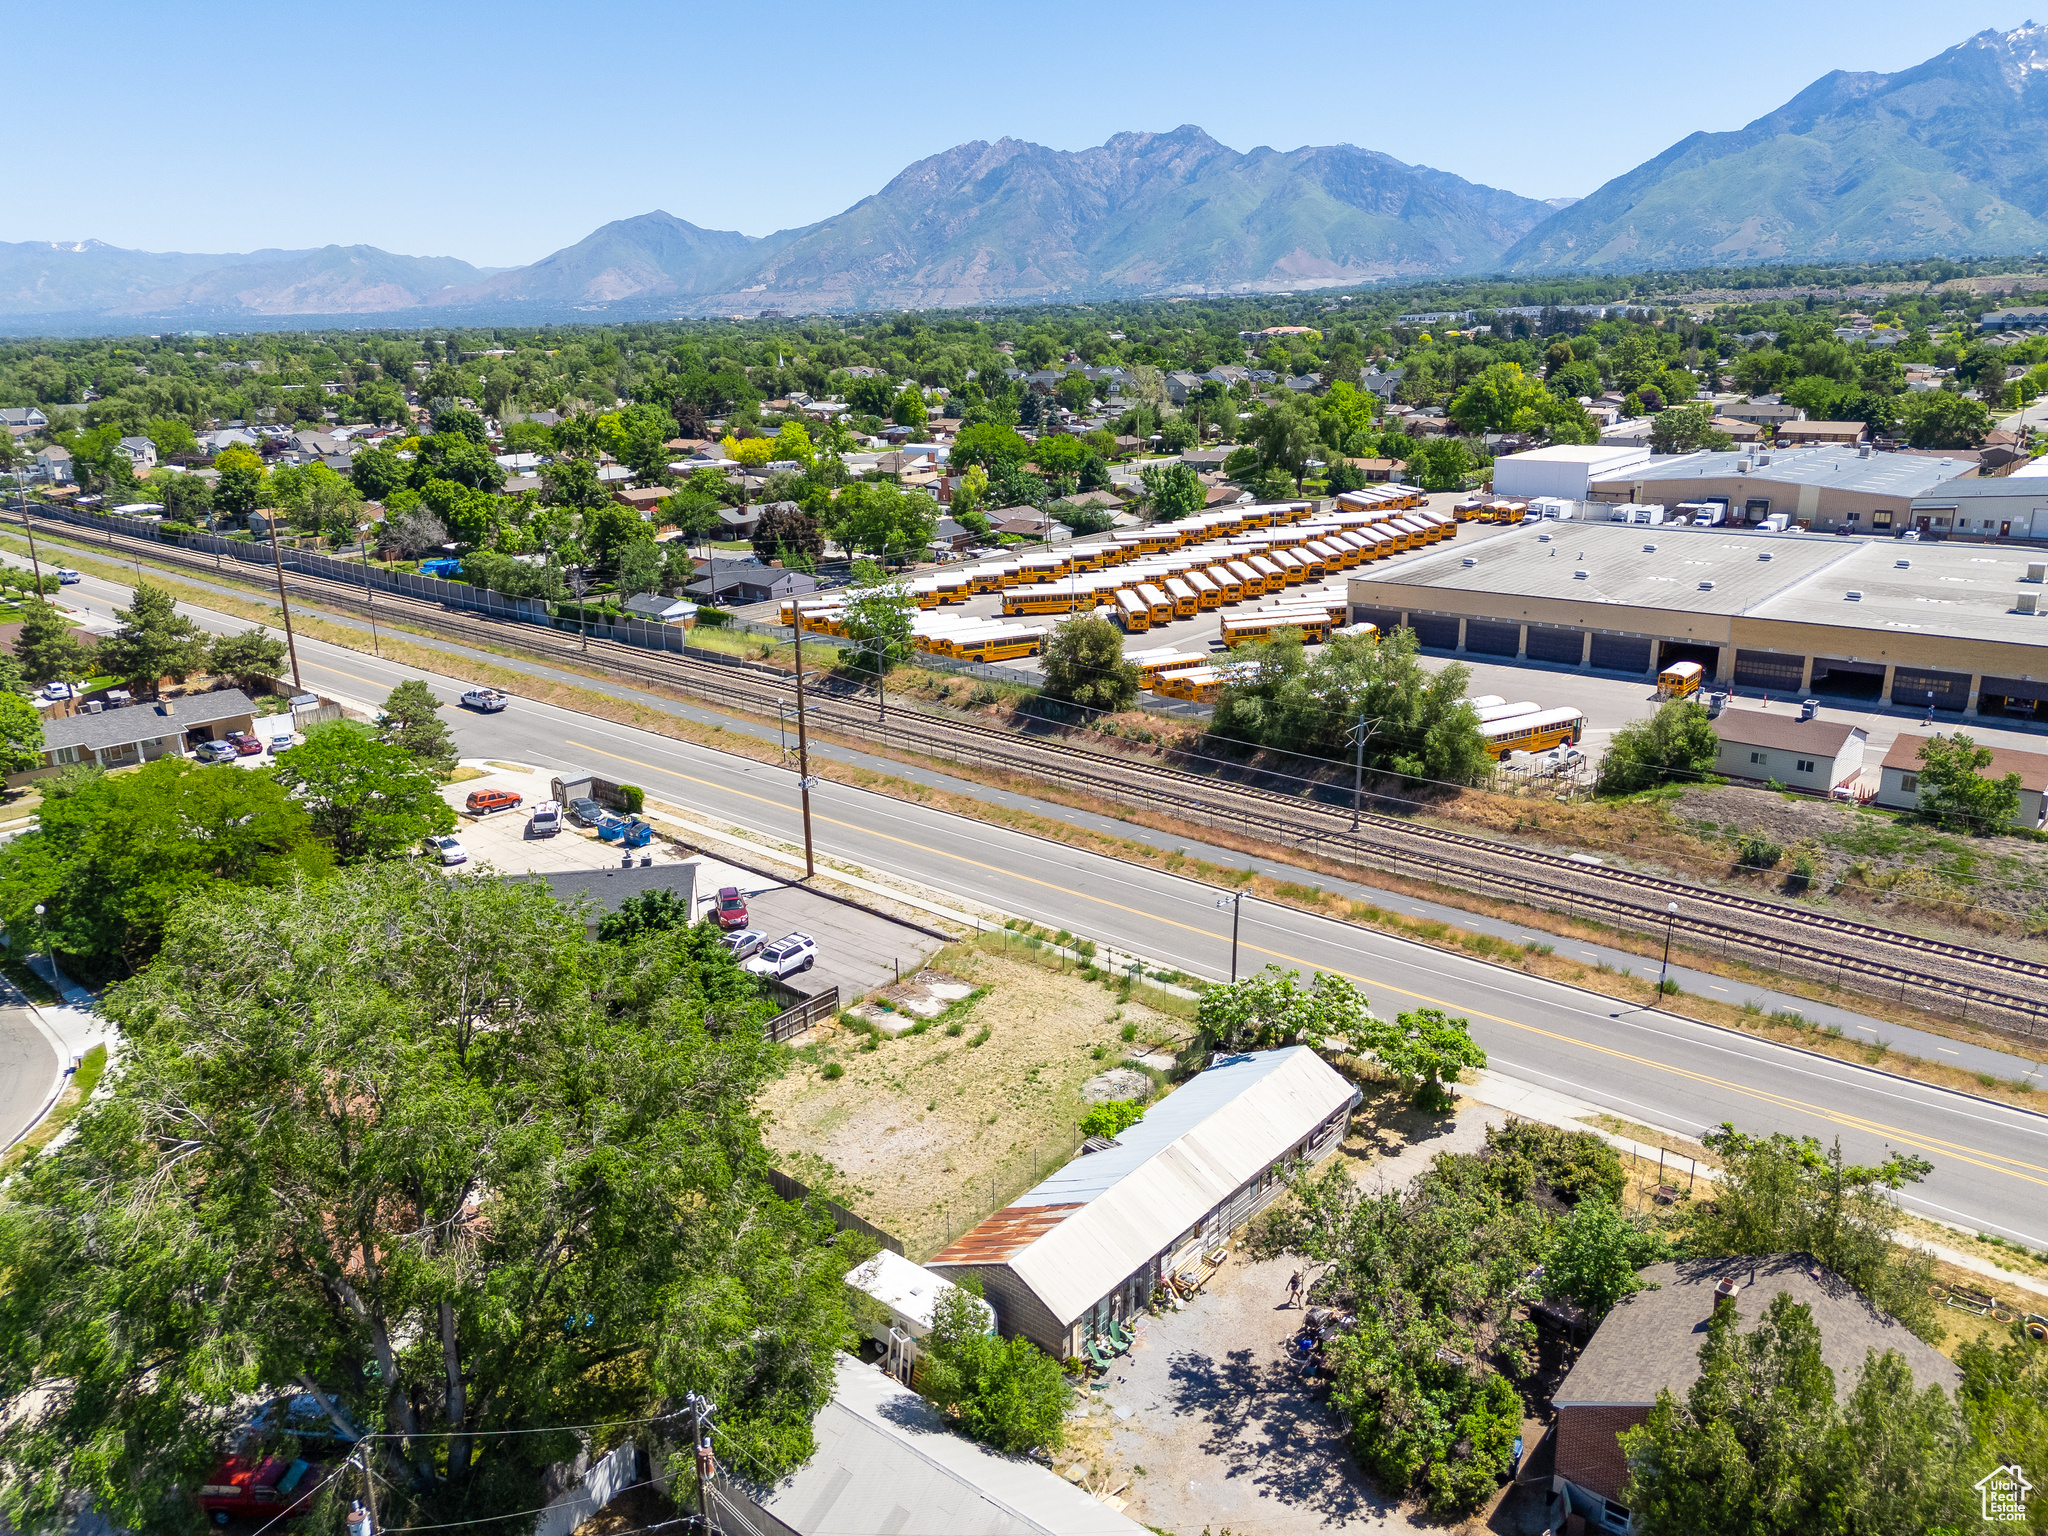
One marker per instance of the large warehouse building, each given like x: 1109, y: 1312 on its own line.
x: 1826, y: 488
x: 1948, y: 626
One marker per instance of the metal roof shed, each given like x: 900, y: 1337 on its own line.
x: 1087, y: 1244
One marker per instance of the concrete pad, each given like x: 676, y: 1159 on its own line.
x: 858, y: 951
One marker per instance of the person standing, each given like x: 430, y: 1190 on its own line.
x: 1294, y: 1288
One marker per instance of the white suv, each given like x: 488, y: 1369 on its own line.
x: 786, y: 956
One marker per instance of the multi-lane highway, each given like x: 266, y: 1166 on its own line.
x: 1990, y: 1161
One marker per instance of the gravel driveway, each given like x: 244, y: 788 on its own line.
x: 1226, y: 1436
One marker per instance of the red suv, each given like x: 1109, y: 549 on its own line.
x: 732, y: 907
x: 483, y: 801
x: 245, y: 744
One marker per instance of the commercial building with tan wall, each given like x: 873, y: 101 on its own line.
x: 1823, y: 488
x: 1922, y: 625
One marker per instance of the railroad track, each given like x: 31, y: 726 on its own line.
x: 2005, y: 991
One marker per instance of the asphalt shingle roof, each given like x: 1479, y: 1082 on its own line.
x: 145, y: 722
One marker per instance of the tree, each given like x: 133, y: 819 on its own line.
x: 1286, y: 442
x: 459, y: 458
x: 21, y: 734
x: 1939, y: 418
x: 377, y: 472
x: 573, y: 482
x: 1500, y: 399
x: 908, y: 409
x: 240, y: 488
x: 1781, y: 1194
x: 1004, y: 1392
x: 1084, y: 663
x: 1112, y: 1117
x: 1685, y: 429
x: 640, y: 567
x: 1422, y: 727
x: 1595, y: 1252
x: 154, y: 641
x: 186, y: 499
x: 112, y: 861
x: 878, y: 611
x: 251, y: 658
x: 609, y: 529
x: 1172, y: 490
x: 47, y: 648
x: 412, y: 722
x: 1272, y: 1009
x: 1425, y: 1050
x: 368, y: 799
x: 785, y: 531
x: 969, y: 495
x: 1955, y: 790
x: 877, y: 518
x: 414, y: 531
x: 417, y: 1144
x: 1677, y: 743
x: 1440, y: 463
x: 657, y: 911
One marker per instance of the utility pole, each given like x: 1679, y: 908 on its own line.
x: 369, y: 594
x: 21, y: 499
x: 803, y: 740
x: 1359, y: 735
x: 1670, y: 917
x: 1236, y: 905
x: 701, y: 1409
x: 369, y: 1492
x: 285, y: 606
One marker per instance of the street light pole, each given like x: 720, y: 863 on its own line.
x: 1360, y: 734
x: 701, y: 1409
x: 1670, y: 917
x: 43, y: 925
x: 1236, y: 905
x: 369, y: 595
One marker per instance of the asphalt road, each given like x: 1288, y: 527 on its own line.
x: 1990, y: 1161
x: 28, y: 1067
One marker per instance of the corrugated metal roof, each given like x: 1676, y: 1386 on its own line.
x: 886, y: 1463
x: 1191, y: 1152
x: 1010, y: 1230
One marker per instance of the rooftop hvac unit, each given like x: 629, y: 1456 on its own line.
x: 1470, y: 561
x: 94, y: 707
x: 1762, y: 459
x: 1649, y: 549
x: 1852, y: 596
x: 1542, y: 538
x: 1742, y: 466
x: 1581, y: 574
x: 1902, y: 565
x: 1706, y: 586
x: 2037, y: 570
x: 2030, y: 602
x: 1763, y: 554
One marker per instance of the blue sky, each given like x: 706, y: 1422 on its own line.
x: 498, y: 133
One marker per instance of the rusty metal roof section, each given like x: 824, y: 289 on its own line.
x: 1009, y: 1231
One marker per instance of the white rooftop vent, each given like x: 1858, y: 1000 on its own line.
x: 1470, y: 561
x: 1762, y: 459
x: 1581, y: 574
x: 1852, y: 596
x: 1706, y: 586
x: 2029, y: 602
x: 1902, y: 565
x: 1649, y: 549
x: 1763, y: 554
x: 1542, y: 538
x: 1863, y: 452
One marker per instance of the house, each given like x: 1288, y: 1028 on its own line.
x: 1374, y: 469
x: 1180, y: 384
x: 53, y: 465
x: 740, y: 522
x: 2008, y: 319
x: 1766, y: 412
x: 143, y: 733
x: 1899, y: 777
x: 1650, y: 1343
x: 910, y: 1292
x: 747, y: 581
x: 656, y: 609
x: 1738, y: 431
x: 1792, y: 434
x: 1025, y: 522
x: 1205, y: 458
x: 887, y: 1465
x: 1107, y: 501
x: 949, y: 537
x: 140, y: 452
x: 522, y: 462
x: 22, y: 418
x: 318, y: 445
x: 646, y: 502
x: 1763, y: 745
x: 1085, y: 1248
x: 1383, y: 382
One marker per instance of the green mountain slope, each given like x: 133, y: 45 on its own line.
x: 1943, y: 158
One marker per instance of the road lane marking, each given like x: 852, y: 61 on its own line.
x: 1989, y: 1161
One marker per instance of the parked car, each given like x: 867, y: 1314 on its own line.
x: 732, y: 907
x: 446, y: 850
x: 586, y: 812
x: 259, y: 1486
x: 282, y: 741
x: 786, y: 956
x: 545, y: 821
x: 482, y: 802
x: 66, y: 576
x: 245, y: 743
x: 745, y: 944
x: 487, y: 700
x: 215, y: 752
x: 56, y: 690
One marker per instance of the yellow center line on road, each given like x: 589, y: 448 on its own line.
x: 1990, y: 1161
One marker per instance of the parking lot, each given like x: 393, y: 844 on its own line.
x: 858, y: 951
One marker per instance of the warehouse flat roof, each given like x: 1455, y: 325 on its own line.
x: 1964, y: 591
x: 1621, y: 566
x: 1832, y: 466
x: 1575, y: 453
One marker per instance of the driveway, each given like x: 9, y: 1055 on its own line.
x: 1226, y: 1434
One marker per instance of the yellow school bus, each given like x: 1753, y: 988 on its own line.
x: 1151, y: 668
x: 1186, y: 604
x: 1133, y: 613
x: 1679, y: 679
x: 1534, y: 733
x: 1157, y: 604
x: 1250, y: 627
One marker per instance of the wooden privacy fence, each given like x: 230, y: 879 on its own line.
x: 812, y: 1008
x: 787, y: 1188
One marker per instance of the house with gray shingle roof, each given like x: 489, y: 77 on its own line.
x: 142, y: 733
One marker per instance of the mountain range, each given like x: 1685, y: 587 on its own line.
x: 1936, y: 159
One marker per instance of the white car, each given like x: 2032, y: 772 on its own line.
x: 745, y: 944
x: 486, y: 700
x: 447, y: 850
x: 282, y: 741
x: 545, y: 821
x: 56, y: 690
x: 66, y: 577
x: 789, y: 954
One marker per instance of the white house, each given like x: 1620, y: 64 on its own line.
x: 53, y: 465
x: 1761, y: 744
x: 657, y: 609
x: 910, y: 1292
x: 1899, y: 777
x: 139, y: 451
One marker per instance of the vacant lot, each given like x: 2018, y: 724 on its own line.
x: 929, y: 1132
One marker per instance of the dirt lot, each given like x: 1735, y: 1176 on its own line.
x: 930, y: 1131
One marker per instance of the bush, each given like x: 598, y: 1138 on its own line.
x: 1084, y: 662
x: 633, y: 798
x: 1758, y: 852
x: 1801, y: 878
x: 1112, y: 1118
x: 1575, y: 1165
x: 1676, y: 743
x: 832, y: 1071
x: 1004, y: 1392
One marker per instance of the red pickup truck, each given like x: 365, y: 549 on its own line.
x: 262, y: 1486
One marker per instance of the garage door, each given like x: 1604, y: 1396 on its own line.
x: 1385, y: 620
x: 2016, y: 689
x: 1850, y: 679
x: 1769, y: 671
x: 1489, y: 639
x: 1557, y: 645
x: 1434, y: 631
x: 1944, y: 690
x: 1621, y: 653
